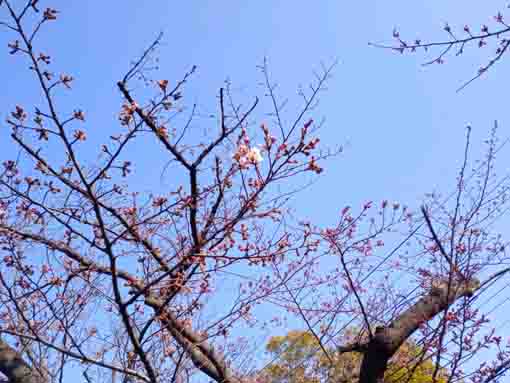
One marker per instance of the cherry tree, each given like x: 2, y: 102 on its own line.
x: 493, y: 36
x: 101, y: 279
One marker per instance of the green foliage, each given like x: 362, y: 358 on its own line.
x: 301, y: 360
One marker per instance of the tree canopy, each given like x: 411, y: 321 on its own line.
x: 299, y: 358
x: 112, y: 280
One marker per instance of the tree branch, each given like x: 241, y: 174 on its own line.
x: 387, y: 340
x: 15, y: 368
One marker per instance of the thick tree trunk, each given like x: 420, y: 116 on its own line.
x: 387, y: 340
x: 375, y: 361
x: 15, y: 368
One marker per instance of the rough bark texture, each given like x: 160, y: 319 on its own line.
x: 203, y: 356
x: 15, y: 368
x: 387, y: 340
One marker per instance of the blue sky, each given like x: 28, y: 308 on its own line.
x: 403, y: 124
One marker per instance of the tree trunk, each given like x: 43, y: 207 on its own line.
x: 387, y: 340
x: 15, y: 368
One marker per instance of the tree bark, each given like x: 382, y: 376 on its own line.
x: 15, y: 368
x: 387, y: 340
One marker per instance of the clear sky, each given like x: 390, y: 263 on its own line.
x: 403, y: 123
